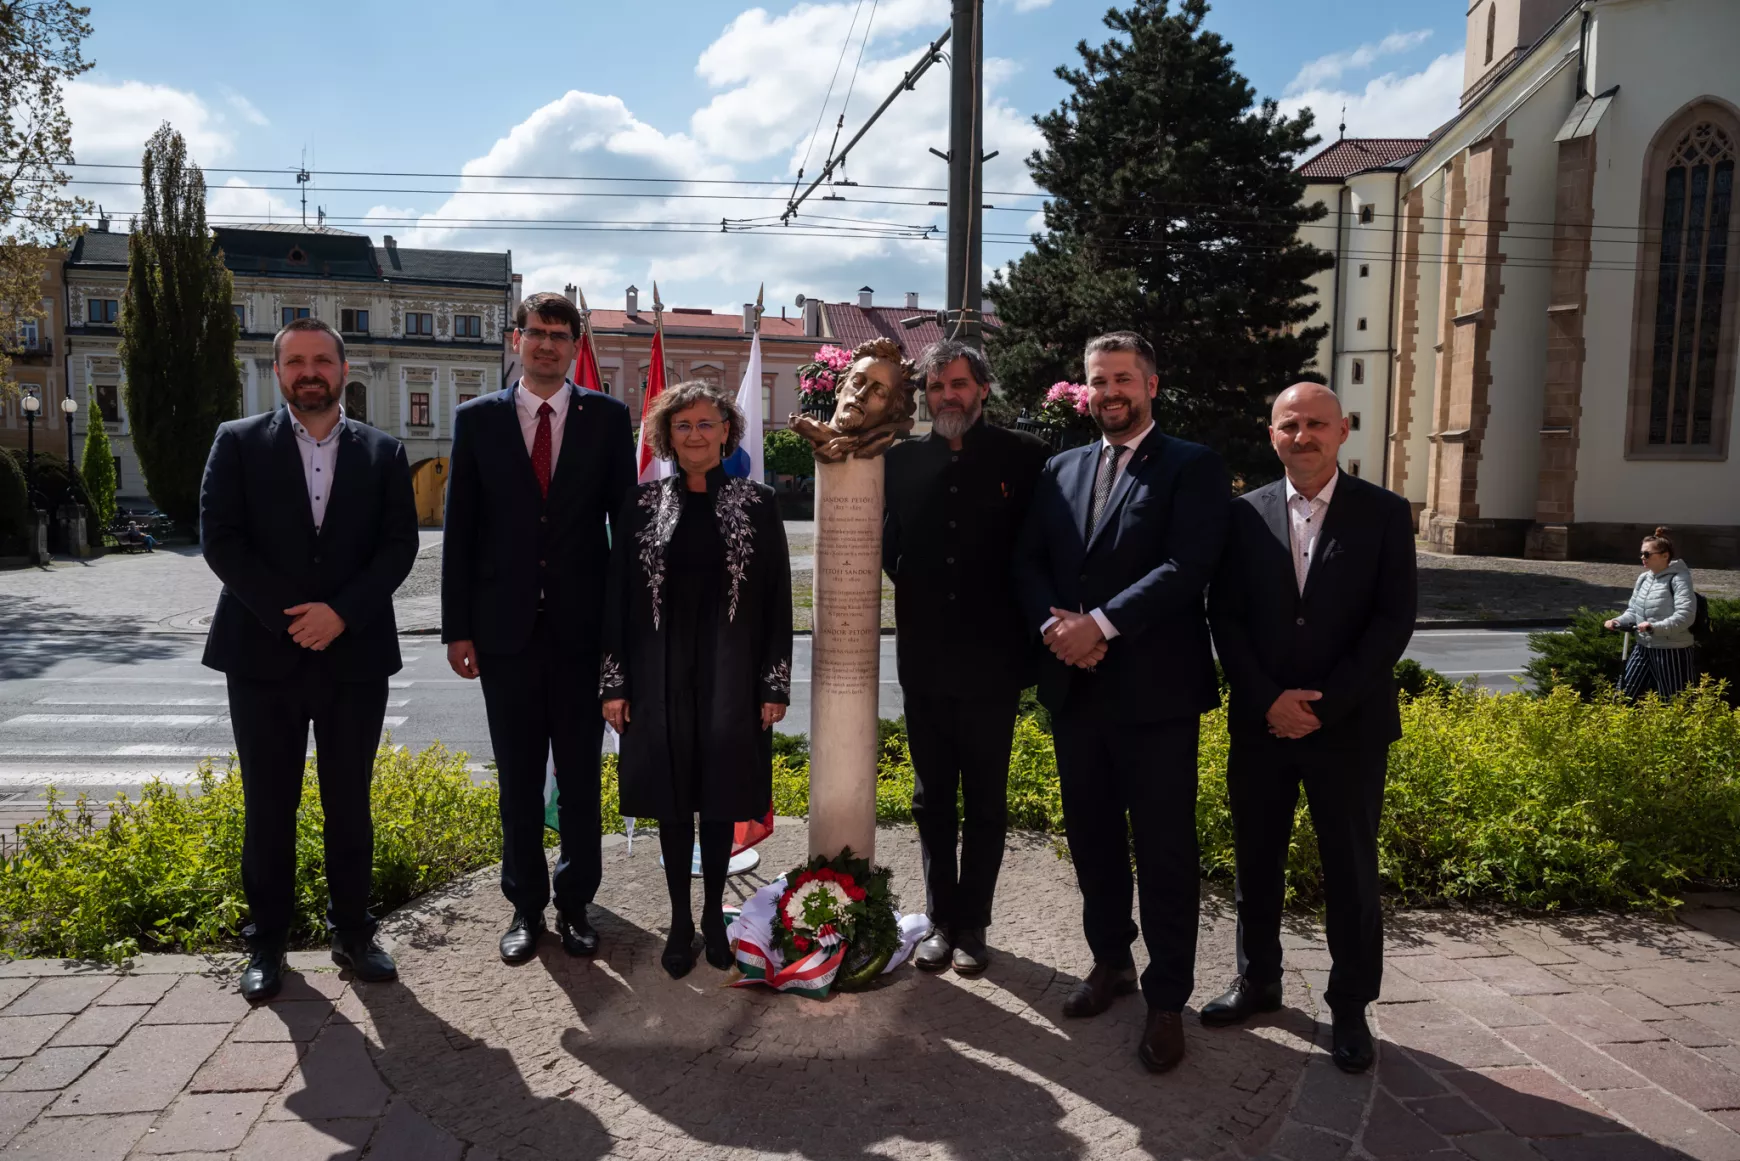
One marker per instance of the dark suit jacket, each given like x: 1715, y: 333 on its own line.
x: 259, y: 537
x: 948, y: 543
x: 1146, y: 567
x: 505, y: 543
x: 1342, y: 637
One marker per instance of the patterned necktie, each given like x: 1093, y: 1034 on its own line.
x: 1103, y: 486
x: 541, y: 449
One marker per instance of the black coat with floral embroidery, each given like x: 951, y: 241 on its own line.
x: 751, y: 653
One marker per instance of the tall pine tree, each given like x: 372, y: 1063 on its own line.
x: 1174, y: 213
x: 97, y: 466
x: 178, y: 330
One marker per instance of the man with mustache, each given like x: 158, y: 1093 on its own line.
x: 1119, y: 544
x: 955, y: 501
x: 1312, y: 608
x: 309, y: 520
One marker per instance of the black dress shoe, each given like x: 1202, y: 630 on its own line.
x: 679, y: 955
x: 578, y: 936
x: 1096, y: 993
x: 718, y: 944
x: 264, y: 975
x: 1162, y: 1044
x: 364, y: 957
x: 934, y: 952
x: 519, y: 942
x: 971, y: 955
x: 1240, y: 1002
x: 1353, y: 1047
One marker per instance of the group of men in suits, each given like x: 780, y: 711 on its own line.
x: 1131, y: 562
x: 1123, y: 557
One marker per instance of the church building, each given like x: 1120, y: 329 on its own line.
x: 1534, y: 311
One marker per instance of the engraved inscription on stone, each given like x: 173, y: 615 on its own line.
x: 848, y: 582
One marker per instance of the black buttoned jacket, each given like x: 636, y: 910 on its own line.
x: 1342, y: 636
x: 948, y: 542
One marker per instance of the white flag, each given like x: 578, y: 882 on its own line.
x: 750, y: 454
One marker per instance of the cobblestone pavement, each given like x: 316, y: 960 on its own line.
x: 1496, y: 588
x: 1502, y: 1038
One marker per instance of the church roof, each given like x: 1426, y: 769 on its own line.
x: 851, y: 324
x: 1352, y: 155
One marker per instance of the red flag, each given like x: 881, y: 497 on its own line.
x: 747, y: 834
x: 648, y: 466
x: 586, y: 359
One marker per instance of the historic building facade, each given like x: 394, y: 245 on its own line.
x: 1555, y: 371
x: 423, y: 332
x: 35, y: 349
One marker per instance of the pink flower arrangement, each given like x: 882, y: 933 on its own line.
x: 1065, y: 404
x: 819, y: 379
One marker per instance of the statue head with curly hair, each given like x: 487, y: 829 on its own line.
x: 877, y: 389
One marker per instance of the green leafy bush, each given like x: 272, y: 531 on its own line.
x: 14, y: 501
x: 786, y: 453
x: 1586, y: 658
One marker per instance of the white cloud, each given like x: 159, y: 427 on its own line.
x: 245, y: 108
x: 112, y: 120
x: 1393, y: 105
x: 237, y: 201
x: 1027, y: 5
x: 1326, y: 70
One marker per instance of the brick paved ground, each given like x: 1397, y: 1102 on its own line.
x: 1580, y: 1037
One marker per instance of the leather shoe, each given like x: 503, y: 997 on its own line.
x: 933, y: 954
x: 679, y: 954
x: 364, y: 957
x: 1353, y: 1047
x: 264, y: 975
x: 578, y: 936
x: 1162, y: 1044
x: 1240, y: 1002
x: 1096, y: 993
x: 519, y: 942
x: 971, y: 955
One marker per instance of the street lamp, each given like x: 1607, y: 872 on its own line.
x: 31, y: 406
x: 68, y: 408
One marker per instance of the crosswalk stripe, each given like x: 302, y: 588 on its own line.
x: 393, y: 684
x: 392, y: 703
x: 180, y: 721
x: 131, y: 750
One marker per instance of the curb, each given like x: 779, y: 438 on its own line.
x: 1525, y: 623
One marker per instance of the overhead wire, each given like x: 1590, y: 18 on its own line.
x: 822, y: 109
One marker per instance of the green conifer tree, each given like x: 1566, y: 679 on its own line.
x: 97, y: 466
x: 178, y: 331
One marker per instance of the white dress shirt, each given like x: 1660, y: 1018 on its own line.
x: 1099, y: 615
x: 526, y: 403
x: 319, y: 461
x: 1305, y: 525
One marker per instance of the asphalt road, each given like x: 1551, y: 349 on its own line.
x: 98, y: 712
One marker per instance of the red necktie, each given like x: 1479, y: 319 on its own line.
x: 541, y: 449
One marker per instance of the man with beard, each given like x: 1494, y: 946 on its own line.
x: 1312, y: 609
x: 309, y: 520
x: 956, y: 499
x: 536, y: 474
x: 1119, y: 544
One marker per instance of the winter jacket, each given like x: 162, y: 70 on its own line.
x: 1665, y: 601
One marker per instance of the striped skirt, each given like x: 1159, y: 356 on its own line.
x: 1666, y: 671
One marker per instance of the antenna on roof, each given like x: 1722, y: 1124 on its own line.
x: 320, y: 215
x: 1343, y: 125
x: 302, y: 179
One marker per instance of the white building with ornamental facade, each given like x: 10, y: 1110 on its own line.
x: 423, y: 330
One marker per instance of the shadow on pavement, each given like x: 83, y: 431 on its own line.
x: 30, y: 643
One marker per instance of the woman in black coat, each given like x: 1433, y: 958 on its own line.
x: 697, y: 652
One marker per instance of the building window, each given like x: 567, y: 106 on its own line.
x: 290, y: 314
x: 767, y: 382
x: 1684, y: 337
x: 1491, y: 28
x: 1365, y: 270
x: 419, y: 323
x: 464, y: 398
x: 1366, y: 214
x: 117, y: 460
x: 468, y: 326
x: 28, y: 336
x: 1360, y: 325
x: 353, y: 322
x: 241, y: 310
x: 1353, y: 421
x: 109, y: 402
x: 1359, y: 370
x: 102, y: 311
x: 419, y: 409
x: 356, y: 402
x: 604, y: 386
x: 1353, y: 467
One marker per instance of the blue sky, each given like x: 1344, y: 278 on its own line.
x: 682, y: 89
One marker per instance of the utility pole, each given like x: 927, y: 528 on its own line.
x: 966, y: 171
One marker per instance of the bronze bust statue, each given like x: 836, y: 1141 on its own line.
x: 875, y: 402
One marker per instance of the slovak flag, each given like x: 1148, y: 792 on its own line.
x: 649, y: 467
x: 747, y: 460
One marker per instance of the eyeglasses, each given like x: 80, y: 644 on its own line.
x: 706, y: 427
x: 1647, y: 555
x: 536, y: 335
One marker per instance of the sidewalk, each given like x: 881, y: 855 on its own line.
x: 1580, y: 1037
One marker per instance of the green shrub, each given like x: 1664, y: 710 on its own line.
x: 1586, y: 658
x: 1416, y: 680
x: 786, y: 453
x: 14, y: 499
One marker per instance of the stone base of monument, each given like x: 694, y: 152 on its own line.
x: 741, y: 863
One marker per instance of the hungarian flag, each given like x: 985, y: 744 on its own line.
x: 648, y: 466
x: 586, y: 358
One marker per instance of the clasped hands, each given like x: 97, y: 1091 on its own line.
x: 1075, y: 639
x: 1292, y: 716
x: 314, y: 625
x: 616, y: 713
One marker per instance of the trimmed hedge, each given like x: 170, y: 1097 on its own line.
x: 1586, y: 658
x: 1538, y: 802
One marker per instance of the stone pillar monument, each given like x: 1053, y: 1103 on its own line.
x: 874, y: 404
